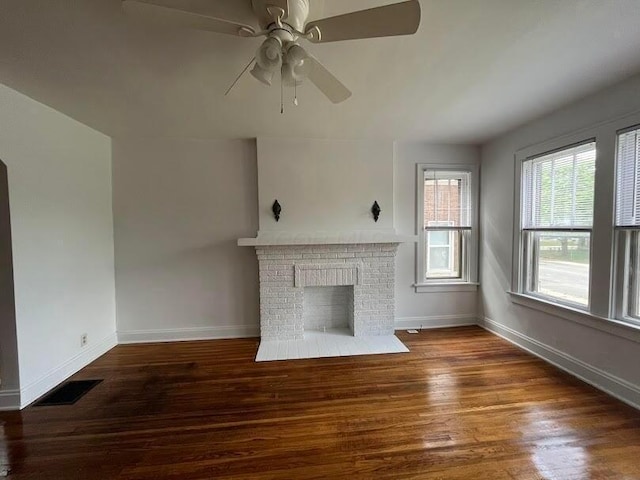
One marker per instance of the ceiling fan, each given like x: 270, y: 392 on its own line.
x: 284, y: 23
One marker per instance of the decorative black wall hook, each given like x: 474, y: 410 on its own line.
x: 375, y: 209
x: 276, y: 210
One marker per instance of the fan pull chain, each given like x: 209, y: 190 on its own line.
x: 295, y: 93
x: 281, y: 94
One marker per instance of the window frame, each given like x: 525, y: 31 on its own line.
x: 624, y: 282
x: 607, y: 267
x: 469, y: 261
x: 625, y: 259
x: 528, y: 271
x: 595, y: 305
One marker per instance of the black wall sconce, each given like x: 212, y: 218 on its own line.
x: 276, y: 210
x: 375, y: 209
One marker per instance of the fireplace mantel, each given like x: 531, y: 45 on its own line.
x: 363, y: 238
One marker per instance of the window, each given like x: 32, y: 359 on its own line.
x: 446, y: 225
x: 627, y: 219
x: 440, y: 252
x: 576, y: 229
x: 557, y: 220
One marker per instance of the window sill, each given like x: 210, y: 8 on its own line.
x: 444, y: 287
x: 612, y: 326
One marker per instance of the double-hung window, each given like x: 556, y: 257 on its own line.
x: 556, y: 224
x: 576, y: 234
x: 446, y: 223
x: 627, y: 219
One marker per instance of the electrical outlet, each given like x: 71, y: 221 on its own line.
x: 83, y: 339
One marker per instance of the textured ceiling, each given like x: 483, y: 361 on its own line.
x: 475, y: 69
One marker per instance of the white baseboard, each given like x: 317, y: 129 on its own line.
x: 188, y: 334
x: 9, y: 400
x: 435, y: 321
x: 59, y: 374
x: 249, y: 331
x: 610, y: 384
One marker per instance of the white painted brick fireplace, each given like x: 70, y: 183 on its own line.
x: 287, y: 270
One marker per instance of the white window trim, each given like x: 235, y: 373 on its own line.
x: 447, y: 285
x: 622, y: 237
x: 622, y: 240
x: 612, y: 326
x: 606, y: 285
x: 522, y: 289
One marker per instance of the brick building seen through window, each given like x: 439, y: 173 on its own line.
x: 444, y: 206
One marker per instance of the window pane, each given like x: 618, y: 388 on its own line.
x: 443, y: 253
x: 439, y: 238
x: 439, y: 258
x: 559, y: 265
x: 628, y: 179
x: 447, y: 198
x: 633, y: 262
x: 558, y: 188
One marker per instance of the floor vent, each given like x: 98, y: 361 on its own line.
x: 67, y: 394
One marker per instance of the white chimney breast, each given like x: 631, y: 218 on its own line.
x: 324, y: 185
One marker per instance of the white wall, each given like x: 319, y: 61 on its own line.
x: 62, y: 226
x: 330, y: 185
x: 179, y: 208
x: 9, y: 373
x: 601, y: 357
x: 325, y: 185
x: 428, y: 309
x: 180, y: 205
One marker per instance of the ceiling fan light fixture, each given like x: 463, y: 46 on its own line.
x: 295, y: 68
x: 296, y: 54
x: 289, y: 77
x: 269, y: 55
x: 262, y: 75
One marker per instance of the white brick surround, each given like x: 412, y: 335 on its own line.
x: 286, y: 269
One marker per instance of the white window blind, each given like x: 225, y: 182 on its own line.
x: 558, y: 189
x: 628, y: 180
x: 447, y: 199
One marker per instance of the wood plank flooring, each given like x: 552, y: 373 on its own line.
x: 463, y: 404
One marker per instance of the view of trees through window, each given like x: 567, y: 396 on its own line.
x: 558, y: 216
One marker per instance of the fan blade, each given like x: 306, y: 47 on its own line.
x: 322, y: 78
x: 396, y: 19
x: 183, y: 18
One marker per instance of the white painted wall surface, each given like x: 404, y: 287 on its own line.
x: 325, y: 185
x: 62, y: 226
x: 179, y: 208
x: 427, y: 309
x: 9, y: 374
x: 604, y: 352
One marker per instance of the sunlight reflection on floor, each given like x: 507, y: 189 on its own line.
x: 4, y: 453
x: 554, y: 456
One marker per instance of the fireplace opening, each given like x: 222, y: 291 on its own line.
x: 328, y: 309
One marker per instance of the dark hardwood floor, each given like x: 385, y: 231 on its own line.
x: 463, y: 404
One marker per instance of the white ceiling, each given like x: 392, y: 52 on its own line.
x: 476, y: 68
